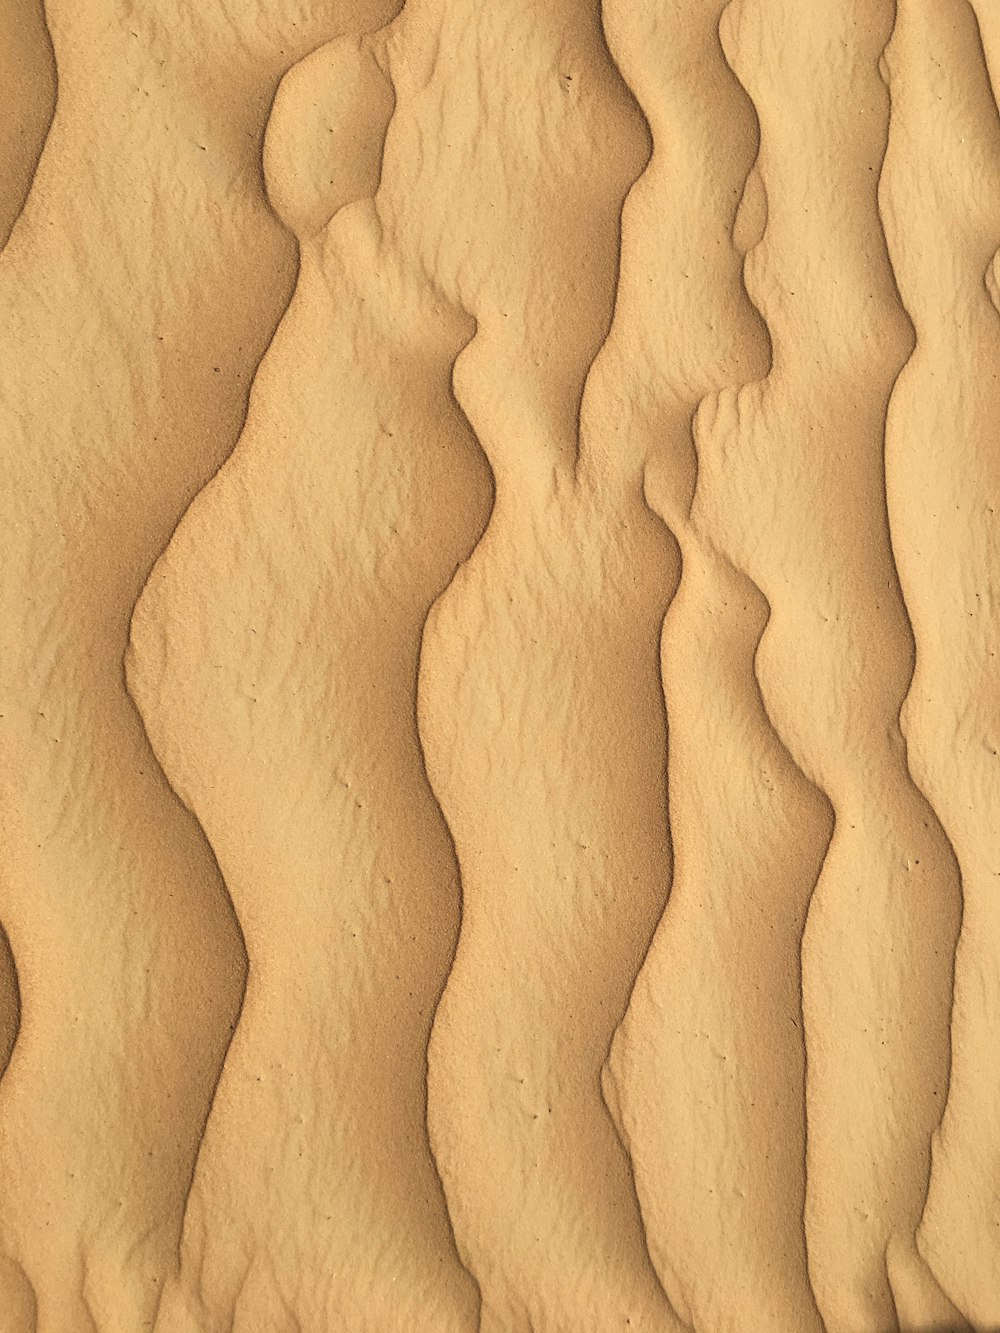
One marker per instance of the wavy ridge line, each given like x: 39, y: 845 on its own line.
x: 991, y: 279
x: 9, y: 962
x: 907, y: 774
x: 610, y: 1088
x: 993, y: 295
x: 46, y: 34
x: 428, y: 1139
x: 385, y: 65
x: 725, y: 16
x: 613, y: 304
x: 609, y: 1091
x: 209, y: 481
x: 574, y: 478
x: 884, y: 74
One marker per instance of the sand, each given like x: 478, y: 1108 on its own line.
x: 497, y: 643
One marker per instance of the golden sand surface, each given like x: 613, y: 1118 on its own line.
x: 499, y: 662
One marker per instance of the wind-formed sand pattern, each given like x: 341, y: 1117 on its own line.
x: 499, y: 643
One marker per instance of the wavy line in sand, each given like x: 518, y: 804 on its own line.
x: 883, y: 1177
x: 942, y: 247
x: 521, y: 579
x: 683, y: 355
x: 29, y: 84
x: 29, y: 80
x: 376, y: 524
x: 916, y: 1289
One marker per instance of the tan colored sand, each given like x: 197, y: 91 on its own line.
x: 942, y: 477
x: 27, y: 101
x: 497, y: 658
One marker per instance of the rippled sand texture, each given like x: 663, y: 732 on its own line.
x: 497, y: 647
x: 943, y: 222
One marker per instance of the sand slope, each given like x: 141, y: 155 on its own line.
x: 498, y: 634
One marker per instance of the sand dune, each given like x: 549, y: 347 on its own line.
x: 499, y: 754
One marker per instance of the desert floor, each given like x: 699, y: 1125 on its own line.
x: 499, y: 632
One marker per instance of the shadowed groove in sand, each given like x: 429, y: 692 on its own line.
x: 608, y: 1092
x: 637, y: 107
x: 905, y: 775
x: 248, y: 392
x: 983, y: 55
x: 451, y: 841
x: 10, y: 991
x: 674, y: 521
x: 801, y: 1025
x: 10, y: 1001
x: 574, y: 473
x: 726, y: 12
x: 385, y: 66
x: 244, y: 963
x: 705, y: 539
x: 31, y: 13
x: 940, y: 73
x: 990, y: 280
x: 884, y: 75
